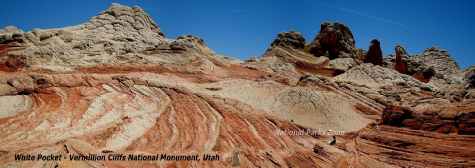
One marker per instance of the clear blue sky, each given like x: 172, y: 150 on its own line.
x: 244, y: 28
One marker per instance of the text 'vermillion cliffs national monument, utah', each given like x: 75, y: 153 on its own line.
x: 116, y: 92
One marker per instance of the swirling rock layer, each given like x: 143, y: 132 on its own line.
x: 116, y: 85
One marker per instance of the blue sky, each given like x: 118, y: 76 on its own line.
x: 244, y: 28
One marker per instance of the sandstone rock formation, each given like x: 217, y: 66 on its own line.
x: 469, y: 78
x: 334, y: 40
x: 343, y: 64
x: 444, y: 120
x: 374, y: 55
x: 446, y: 70
x: 409, y: 65
x: 440, y: 59
x: 469, y: 82
x: 286, y: 60
x: 400, y: 65
x: 117, y: 85
x: 290, y: 39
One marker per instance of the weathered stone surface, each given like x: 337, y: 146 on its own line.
x: 440, y: 60
x: 400, y: 65
x: 284, y: 59
x: 116, y: 85
x: 119, y: 34
x: 410, y: 65
x: 334, y: 40
x: 22, y: 84
x: 12, y: 105
x: 14, y: 63
x: 343, y: 64
x: 446, y: 70
x: 469, y: 78
x: 289, y: 39
x: 10, y: 34
x: 6, y: 89
x: 401, y: 147
x: 442, y: 118
x: 376, y: 76
x: 194, y: 42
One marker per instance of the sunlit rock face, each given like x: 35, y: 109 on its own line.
x: 117, y: 85
x: 335, y: 40
x: 290, y: 39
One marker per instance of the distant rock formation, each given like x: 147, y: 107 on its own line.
x: 290, y: 39
x: 334, y: 40
x: 374, y: 55
x: 440, y: 60
x: 409, y: 65
x: 190, y: 41
x: 104, y: 39
x: 445, y: 70
x: 400, y: 65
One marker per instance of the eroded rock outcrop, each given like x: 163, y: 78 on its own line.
x: 409, y: 65
x: 334, y: 40
x: 442, y: 118
x: 290, y: 39
x: 400, y: 65
x: 343, y: 64
x: 10, y: 34
x: 377, y: 76
x: 469, y: 78
x: 374, y: 55
x: 116, y: 85
x: 440, y: 60
x: 446, y: 70
x: 286, y: 58
x: 118, y: 31
x: 469, y: 82
x: 119, y: 35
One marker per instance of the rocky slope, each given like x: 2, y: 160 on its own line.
x: 117, y: 85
